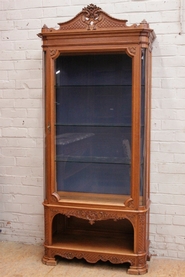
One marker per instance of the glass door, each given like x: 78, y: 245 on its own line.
x: 93, y: 124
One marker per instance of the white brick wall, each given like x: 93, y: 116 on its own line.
x: 21, y: 115
x: 21, y: 122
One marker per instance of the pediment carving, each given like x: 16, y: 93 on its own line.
x: 92, y: 18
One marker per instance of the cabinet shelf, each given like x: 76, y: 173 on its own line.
x: 94, y: 243
x: 104, y: 160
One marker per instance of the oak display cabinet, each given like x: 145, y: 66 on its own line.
x: 97, y: 131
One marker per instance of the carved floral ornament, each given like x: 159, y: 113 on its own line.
x: 91, y: 15
x: 93, y: 215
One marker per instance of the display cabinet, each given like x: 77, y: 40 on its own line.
x: 97, y: 139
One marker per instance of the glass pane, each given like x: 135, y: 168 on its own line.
x: 94, y: 105
x: 93, y: 123
x: 143, y: 60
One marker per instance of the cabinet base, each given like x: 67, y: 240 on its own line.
x: 136, y: 267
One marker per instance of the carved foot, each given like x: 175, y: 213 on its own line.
x: 133, y: 270
x: 49, y: 261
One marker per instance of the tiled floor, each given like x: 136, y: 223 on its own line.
x: 20, y: 260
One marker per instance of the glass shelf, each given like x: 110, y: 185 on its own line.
x: 92, y: 159
x: 93, y: 86
x: 93, y: 124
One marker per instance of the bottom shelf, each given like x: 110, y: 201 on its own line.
x: 94, y: 243
x: 106, y: 240
x: 104, y: 236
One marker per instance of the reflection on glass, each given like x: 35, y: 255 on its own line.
x: 93, y: 123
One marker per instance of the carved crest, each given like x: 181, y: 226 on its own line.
x: 91, y: 15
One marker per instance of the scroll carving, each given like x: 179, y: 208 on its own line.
x: 55, y: 197
x: 129, y: 203
x: 54, y: 53
x: 131, y: 51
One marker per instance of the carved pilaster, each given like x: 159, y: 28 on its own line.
x: 141, y: 232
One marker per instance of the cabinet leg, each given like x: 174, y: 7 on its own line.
x: 49, y: 261
x: 133, y: 270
